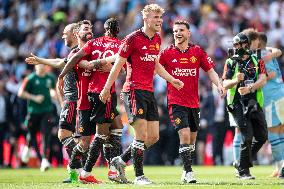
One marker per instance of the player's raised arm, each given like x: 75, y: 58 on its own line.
x: 72, y: 62
x: 95, y: 64
x: 55, y: 63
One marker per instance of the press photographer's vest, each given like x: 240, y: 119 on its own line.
x: 231, y: 92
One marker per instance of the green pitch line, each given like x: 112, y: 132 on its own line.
x: 164, y: 177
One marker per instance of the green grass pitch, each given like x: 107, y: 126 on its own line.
x: 163, y: 176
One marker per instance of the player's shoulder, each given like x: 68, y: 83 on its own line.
x: 74, y: 50
x: 50, y: 75
x: 169, y: 48
x: 195, y: 47
x: 132, y: 36
x: 31, y: 76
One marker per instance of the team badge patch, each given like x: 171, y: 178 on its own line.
x: 140, y: 111
x: 81, y: 129
x: 112, y: 116
x: 193, y: 59
x: 177, y: 121
x: 157, y: 46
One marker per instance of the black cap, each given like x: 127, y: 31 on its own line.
x: 240, y: 38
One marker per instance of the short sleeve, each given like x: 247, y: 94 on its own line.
x: 53, y: 84
x: 206, y: 62
x: 162, y: 57
x: 262, y: 69
x: 26, y: 84
x: 126, y: 47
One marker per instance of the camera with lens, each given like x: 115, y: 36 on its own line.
x: 239, y: 50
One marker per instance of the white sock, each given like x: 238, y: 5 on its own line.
x: 85, y: 173
x: 121, y: 161
x: 112, y: 168
x: 279, y: 165
x: 79, y: 171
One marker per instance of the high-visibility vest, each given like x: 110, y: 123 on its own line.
x: 232, y: 91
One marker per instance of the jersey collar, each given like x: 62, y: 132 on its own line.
x: 183, y: 51
x: 145, y: 35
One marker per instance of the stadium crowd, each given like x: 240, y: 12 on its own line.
x: 36, y: 26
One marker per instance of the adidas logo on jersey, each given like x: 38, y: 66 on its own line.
x: 144, y: 47
x: 174, y: 60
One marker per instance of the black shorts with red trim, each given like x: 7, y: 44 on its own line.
x: 140, y: 104
x: 68, y: 116
x: 100, y: 112
x: 85, y: 127
x: 183, y: 117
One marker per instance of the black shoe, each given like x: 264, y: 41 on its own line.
x: 281, y: 175
x: 246, y: 176
x: 67, y: 180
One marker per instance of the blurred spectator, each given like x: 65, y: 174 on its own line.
x: 5, y: 118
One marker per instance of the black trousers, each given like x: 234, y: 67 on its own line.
x: 3, y: 129
x: 253, y: 129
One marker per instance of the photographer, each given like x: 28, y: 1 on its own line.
x: 244, y: 77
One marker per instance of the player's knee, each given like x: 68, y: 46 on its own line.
x: 85, y: 142
x: 152, y: 140
x: 184, y: 136
x: 142, y: 137
x: 63, y: 134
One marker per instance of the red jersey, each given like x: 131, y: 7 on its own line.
x: 184, y: 65
x: 99, y: 48
x: 83, y: 78
x: 141, y: 52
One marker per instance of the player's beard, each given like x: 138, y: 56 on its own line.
x: 86, y: 37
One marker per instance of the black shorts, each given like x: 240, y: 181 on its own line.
x: 140, y: 104
x: 100, y: 112
x: 183, y: 117
x: 68, y: 116
x: 42, y: 122
x: 85, y: 127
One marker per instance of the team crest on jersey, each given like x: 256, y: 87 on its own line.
x: 140, y: 111
x: 81, y: 129
x: 193, y: 59
x: 112, y: 116
x: 177, y: 121
x: 37, y: 82
x: 157, y: 46
x: 48, y: 83
x: 184, y: 61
